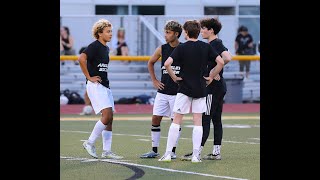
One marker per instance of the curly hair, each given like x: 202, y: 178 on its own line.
x: 211, y: 23
x: 173, y: 26
x: 99, y: 26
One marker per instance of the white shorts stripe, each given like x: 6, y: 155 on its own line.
x: 209, y: 103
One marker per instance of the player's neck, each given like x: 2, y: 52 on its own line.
x: 102, y: 42
x: 174, y: 43
x: 211, y: 38
x: 191, y: 39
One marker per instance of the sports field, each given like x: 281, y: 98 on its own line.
x: 131, y: 137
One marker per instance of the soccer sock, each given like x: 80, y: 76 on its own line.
x: 96, y: 132
x: 216, y: 149
x: 172, y: 136
x: 106, y: 140
x: 174, y: 148
x: 155, y: 137
x: 196, y: 139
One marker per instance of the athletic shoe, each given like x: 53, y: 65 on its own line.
x: 173, y: 155
x: 165, y: 158
x: 196, y: 159
x: 110, y: 155
x: 91, y: 149
x: 212, y: 157
x: 186, y: 157
x: 150, y: 154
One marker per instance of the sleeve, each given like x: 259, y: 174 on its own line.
x: 237, y: 38
x: 220, y: 48
x: 175, y: 54
x: 89, y: 51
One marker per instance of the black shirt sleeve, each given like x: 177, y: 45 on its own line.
x: 220, y: 48
x: 89, y: 51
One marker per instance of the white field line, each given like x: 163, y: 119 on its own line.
x: 135, y: 135
x: 151, y: 167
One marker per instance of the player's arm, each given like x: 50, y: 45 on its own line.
x: 167, y: 65
x: 226, y: 56
x: 153, y: 59
x: 83, y: 64
x: 215, y: 71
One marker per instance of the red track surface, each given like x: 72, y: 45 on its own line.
x: 147, y: 109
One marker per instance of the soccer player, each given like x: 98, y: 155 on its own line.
x: 193, y: 57
x: 210, y: 27
x: 167, y: 88
x: 94, y: 62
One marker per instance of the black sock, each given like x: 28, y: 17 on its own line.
x: 155, y: 149
x: 174, y: 149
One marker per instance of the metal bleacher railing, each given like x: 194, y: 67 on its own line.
x: 128, y: 80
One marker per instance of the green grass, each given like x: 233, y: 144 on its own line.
x: 240, y: 159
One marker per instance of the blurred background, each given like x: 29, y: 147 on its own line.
x: 141, y: 26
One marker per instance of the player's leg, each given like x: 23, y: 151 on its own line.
x: 217, y: 125
x: 160, y: 109
x: 206, y: 120
x: 181, y: 106
x: 171, y: 100
x: 107, y: 132
x: 198, y: 107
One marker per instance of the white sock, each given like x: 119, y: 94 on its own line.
x: 155, y: 136
x: 172, y: 136
x: 216, y: 149
x: 196, y: 138
x: 106, y: 140
x: 178, y: 137
x: 96, y: 132
x: 200, y: 150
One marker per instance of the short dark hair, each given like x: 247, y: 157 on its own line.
x: 192, y: 28
x: 211, y: 23
x: 242, y: 28
x: 174, y: 26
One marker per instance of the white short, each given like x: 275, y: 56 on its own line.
x: 100, y: 96
x: 163, y: 105
x: 183, y: 104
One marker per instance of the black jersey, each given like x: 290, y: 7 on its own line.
x: 193, y: 57
x: 170, y: 87
x: 98, y: 61
x: 220, y: 85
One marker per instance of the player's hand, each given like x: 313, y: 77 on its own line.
x: 95, y: 79
x: 177, y: 79
x: 158, y: 85
x: 217, y: 77
x: 208, y: 80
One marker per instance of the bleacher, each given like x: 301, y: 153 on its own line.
x: 129, y: 80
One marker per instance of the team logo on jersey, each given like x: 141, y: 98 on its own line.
x: 103, y: 67
x: 176, y: 69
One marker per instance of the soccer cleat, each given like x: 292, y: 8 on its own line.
x: 212, y: 157
x: 196, y: 159
x: 165, y: 158
x: 110, y: 155
x: 150, y: 154
x: 91, y: 149
x: 173, y: 155
x: 186, y: 157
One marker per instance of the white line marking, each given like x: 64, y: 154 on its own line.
x: 135, y: 135
x: 230, y: 126
x: 143, y: 139
x: 151, y: 167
